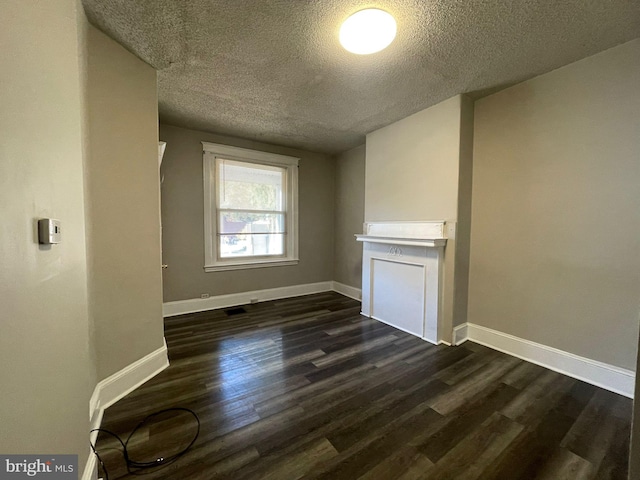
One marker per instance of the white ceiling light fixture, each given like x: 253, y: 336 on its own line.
x: 368, y: 31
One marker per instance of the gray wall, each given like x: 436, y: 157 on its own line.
x: 412, y: 166
x: 414, y: 173
x: 349, y: 217
x: 463, y: 233
x: 123, y: 206
x: 45, y: 368
x: 183, y: 229
x: 91, y: 111
x: 555, y: 237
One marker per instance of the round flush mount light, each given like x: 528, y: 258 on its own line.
x: 368, y: 31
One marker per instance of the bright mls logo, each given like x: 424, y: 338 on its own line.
x: 50, y: 467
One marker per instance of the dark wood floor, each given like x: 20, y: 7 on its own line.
x: 308, y: 388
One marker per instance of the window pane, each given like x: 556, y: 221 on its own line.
x: 250, y: 222
x: 250, y: 186
x: 251, y: 245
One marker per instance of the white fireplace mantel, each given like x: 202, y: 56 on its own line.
x: 402, y: 275
x: 426, y: 242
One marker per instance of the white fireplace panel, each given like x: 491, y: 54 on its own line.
x: 402, y: 276
x: 397, y: 294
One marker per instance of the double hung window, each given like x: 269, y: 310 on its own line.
x: 250, y: 208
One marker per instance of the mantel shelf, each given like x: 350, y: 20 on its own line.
x: 418, y: 242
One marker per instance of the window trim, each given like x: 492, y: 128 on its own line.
x: 211, y: 151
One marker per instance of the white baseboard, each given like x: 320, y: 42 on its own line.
x: 171, y: 309
x: 346, y: 290
x: 117, y: 386
x: 181, y: 307
x: 460, y: 334
x: 609, y: 377
x: 113, y: 388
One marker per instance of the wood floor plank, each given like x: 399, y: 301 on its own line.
x: 307, y: 388
x: 565, y: 465
x: 614, y: 463
x: 528, y: 453
x: 406, y: 462
x: 465, y: 391
x: 470, y: 457
x: 371, y: 450
x: 465, y: 420
x: 292, y: 466
x: 593, y: 423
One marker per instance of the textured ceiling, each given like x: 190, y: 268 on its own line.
x: 274, y: 71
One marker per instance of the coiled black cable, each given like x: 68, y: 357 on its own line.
x: 133, y: 465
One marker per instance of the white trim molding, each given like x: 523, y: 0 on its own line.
x: 117, y: 386
x: 180, y: 307
x: 431, y: 242
x: 460, y: 334
x: 251, y: 264
x: 214, y: 156
x: 419, y: 234
x: 347, y: 290
x: 194, y: 305
x: 609, y: 377
x: 125, y: 381
x: 418, y: 230
x: 161, y: 148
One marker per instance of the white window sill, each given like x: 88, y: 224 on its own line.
x: 222, y: 267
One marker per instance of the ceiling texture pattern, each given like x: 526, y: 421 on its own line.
x: 274, y: 71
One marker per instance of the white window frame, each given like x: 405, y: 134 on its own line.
x: 212, y: 261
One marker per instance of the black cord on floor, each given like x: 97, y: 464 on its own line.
x: 135, y: 465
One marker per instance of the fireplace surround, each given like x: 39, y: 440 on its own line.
x: 402, y: 275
